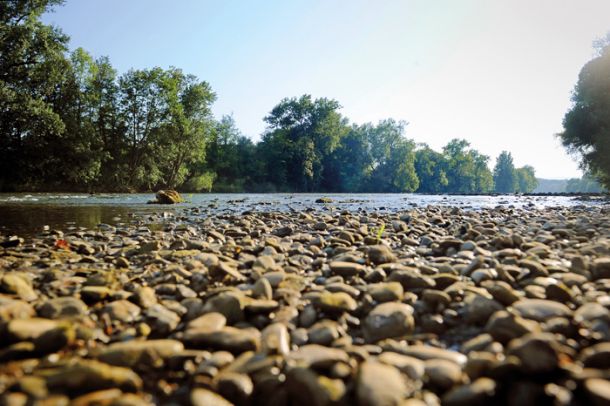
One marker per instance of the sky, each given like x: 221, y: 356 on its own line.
x: 497, y: 73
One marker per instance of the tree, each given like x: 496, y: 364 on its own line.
x: 526, y: 179
x: 483, y: 178
x: 467, y: 170
x: 231, y: 156
x: 586, y: 184
x: 183, y: 137
x: 430, y: 167
x: 32, y: 67
x: 505, y: 177
x: 351, y: 163
x: 393, y: 158
x: 587, y: 123
x: 309, y: 130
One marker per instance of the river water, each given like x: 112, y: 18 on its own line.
x: 27, y: 214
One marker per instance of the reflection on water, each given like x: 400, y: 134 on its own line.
x: 26, y: 214
x: 30, y: 219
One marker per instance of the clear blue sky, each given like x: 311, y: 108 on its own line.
x: 498, y: 73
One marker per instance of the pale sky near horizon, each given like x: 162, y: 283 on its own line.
x: 497, y: 73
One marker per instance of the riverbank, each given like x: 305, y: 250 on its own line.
x: 317, y: 306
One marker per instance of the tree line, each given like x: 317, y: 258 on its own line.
x: 69, y: 121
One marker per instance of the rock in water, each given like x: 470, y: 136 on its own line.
x: 167, y: 197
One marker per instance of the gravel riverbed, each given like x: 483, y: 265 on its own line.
x: 427, y: 306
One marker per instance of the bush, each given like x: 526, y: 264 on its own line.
x: 199, y: 183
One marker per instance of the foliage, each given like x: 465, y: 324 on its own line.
x: 69, y: 121
x: 32, y: 68
x: 309, y: 131
x: 200, y: 183
x: 587, y: 124
x: 586, y: 184
x: 526, y: 179
x: 466, y: 169
x: 505, y: 176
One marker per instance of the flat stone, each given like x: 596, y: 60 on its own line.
x: 425, y: 353
x: 205, y: 397
x: 305, y: 387
x: 318, y: 356
x: 262, y: 289
x: 478, y: 393
x: 210, y: 321
x: 412, y: 367
x: 94, y: 294
x: 336, y: 302
x: 379, y: 384
x: 346, y: 269
x: 275, y: 339
x: 100, y: 397
x: 411, y: 279
x: 56, y: 339
x: 540, y: 309
x: 228, y: 304
x: 235, y: 387
x: 504, y: 326
x: 388, y: 320
x: 136, y: 353
x: 145, y: 297
x: 27, y: 329
x: 228, y: 338
x: 323, y: 332
x: 443, y: 374
x: 596, y: 356
x: 162, y: 321
x: 386, y: 292
x: 15, y: 309
x: 479, y: 308
x: 122, y: 310
x: 63, y: 307
x: 536, y: 352
x: 380, y: 254
x: 601, y: 268
x: 598, y: 391
x: 18, y: 285
x: 87, y: 375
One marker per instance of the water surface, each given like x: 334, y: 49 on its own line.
x: 27, y: 214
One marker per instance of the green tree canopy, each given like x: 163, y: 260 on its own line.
x: 431, y: 167
x: 505, y: 176
x: 587, y: 123
x: 586, y: 184
x: 526, y: 179
x: 32, y: 70
x: 309, y: 130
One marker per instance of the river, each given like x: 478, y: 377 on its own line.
x: 27, y: 214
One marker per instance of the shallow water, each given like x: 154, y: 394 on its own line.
x: 27, y: 214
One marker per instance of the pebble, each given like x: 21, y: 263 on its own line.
x: 379, y: 385
x: 447, y: 306
x: 388, y: 320
x: 541, y: 310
